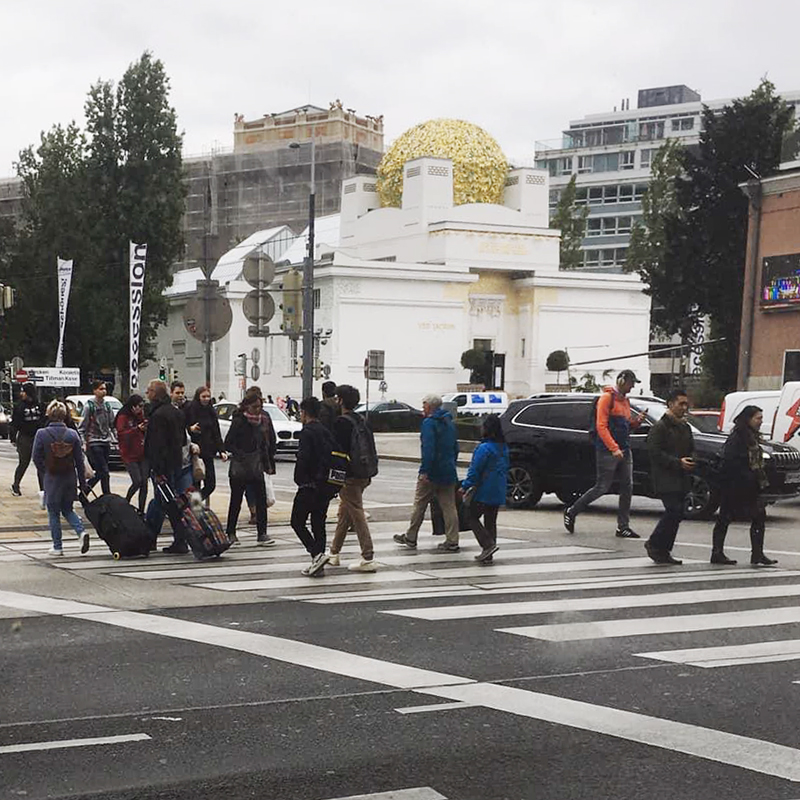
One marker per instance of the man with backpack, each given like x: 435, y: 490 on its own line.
x: 354, y: 438
x: 613, y: 423
x: 96, y: 429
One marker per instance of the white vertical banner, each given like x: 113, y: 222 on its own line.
x: 64, y: 283
x: 138, y: 258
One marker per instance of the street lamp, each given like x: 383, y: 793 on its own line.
x: 308, y: 280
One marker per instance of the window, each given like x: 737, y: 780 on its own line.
x: 555, y: 196
x: 595, y: 195
x: 584, y: 164
x: 592, y: 258
x: 532, y: 415
x: 626, y: 159
x: 605, y: 162
x: 626, y: 193
x: 610, y: 195
x: 609, y: 226
x: 565, y: 166
x: 624, y: 224
x: 593, y: 226
x: 639, y: 191
x: 573, y: 416
x: 607, y: 258
x: 645, y: 159
x: 580, y: 196
x: 522, y: 348
x: 293, y: 358
x: 683, y: 124
x: 317, y: 298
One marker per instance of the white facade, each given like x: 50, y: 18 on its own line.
x: 428, y: 281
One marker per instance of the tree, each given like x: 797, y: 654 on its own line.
x: 557, y: 362
x: 477, y: 362
x: 570, y: 219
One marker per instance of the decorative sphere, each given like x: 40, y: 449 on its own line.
x: 479, y: 166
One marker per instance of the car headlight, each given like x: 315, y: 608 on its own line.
x: 766, y: 456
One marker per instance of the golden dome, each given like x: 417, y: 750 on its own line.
x: 479, y: 166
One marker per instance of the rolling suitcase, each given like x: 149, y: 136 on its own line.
x: 119, y: 525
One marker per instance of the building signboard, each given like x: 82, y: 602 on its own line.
x: 56, y: 377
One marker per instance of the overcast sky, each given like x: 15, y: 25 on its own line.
x: 520, y: 68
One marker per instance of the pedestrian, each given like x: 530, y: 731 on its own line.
x: 292, y: 409
x: 484, y: 488
x: 350, y: 428
x: 203, y: 426
x: 742, y: 481
x: 670, y: 445
x: 96, y: 430
x: 330, y: 409
x: 313, y: 495
x: 613, y: 423
x: 270, y: 400
x: 249, y: 451
x: 26, y: 419
x: 130, y: 425
x: 164, y: 440
x: 177, y: 395
x: 437, y: 475
x: 272, y: 447
x: 58, y: 456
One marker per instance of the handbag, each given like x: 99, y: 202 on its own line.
x: 469, y: 494
x: 198, y: 468
x: 270, y: 491
x: 246, y: 467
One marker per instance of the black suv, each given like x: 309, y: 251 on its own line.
x: 552, y: 451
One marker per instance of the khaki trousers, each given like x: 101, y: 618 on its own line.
x: 445, y: 493
x: 351, y: 512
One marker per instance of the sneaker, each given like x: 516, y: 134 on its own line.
x: 447, y: 547
x: 264, y: 541
x: 402, y: 539
x: 176, y: 549
x: 487, y: 562
x: 569, y: 520
x: 42, y: 503
x: 362, y: 566
x: 486, y: 555
x: 317, y: 564
x: 626, y: 533
x: 333, y: 559
x: 55, y: 551
x: 84, y: 542
x: 15, y: 490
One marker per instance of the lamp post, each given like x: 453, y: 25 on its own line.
x: 308, y: 280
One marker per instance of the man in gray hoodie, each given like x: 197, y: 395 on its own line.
x: 95, y: 429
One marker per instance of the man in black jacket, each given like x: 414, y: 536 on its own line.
x: 329, y: 410
x: 313, y: 496
x: 26, y: 419
x: 670, y: 444
x: 163, y: 447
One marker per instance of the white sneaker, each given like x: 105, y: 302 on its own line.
x: 53, y: 551
x: 42, y: 502
x: 362, y: 566
x: 318, y: 564
x: 333, y: 559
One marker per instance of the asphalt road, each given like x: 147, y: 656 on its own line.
x: 561, y: 671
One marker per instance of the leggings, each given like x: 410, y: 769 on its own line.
x: 138, y: 470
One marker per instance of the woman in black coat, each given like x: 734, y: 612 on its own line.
x: 203, y: 427
x: 249, y: 449
x: 742, y: 481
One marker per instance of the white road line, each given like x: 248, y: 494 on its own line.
x: 64, y: 743
x: 739, y: 751
x: 725, y: 748
x: 419, y: 793
x: 738, y: 549
x: 731, y: 655
x: 535, y: 587
x: 597, y: 603
x: 433, y: 707
x: 345, y: 578
x: 648, y: 626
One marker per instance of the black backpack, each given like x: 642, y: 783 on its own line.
x: 592, y: 426
x: 363, y: 454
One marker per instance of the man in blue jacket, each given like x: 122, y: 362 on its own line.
x: 437, y: 475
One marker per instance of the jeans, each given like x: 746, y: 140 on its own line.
x: 313, y: 502
x: 663, y: 536
x: 54, y: 518
x: 258, y: 491
x: 423, y: 494
x: 24, y: 451
x: 98, y: 454
x: 138, y: 470
x: 351, y: 512
x: 608, y: 468
x: 485, y: 533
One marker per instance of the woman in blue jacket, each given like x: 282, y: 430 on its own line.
x: 484, y: 487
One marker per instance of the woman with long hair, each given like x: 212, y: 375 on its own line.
x: 130, y: 425
x: 743, y: 480
x: 484, y: 488
x: 203, y: 426
x: 248, y: 447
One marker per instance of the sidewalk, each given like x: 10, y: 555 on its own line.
x: 405, y: 447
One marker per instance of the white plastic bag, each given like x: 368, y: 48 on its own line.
x: 270, y: 490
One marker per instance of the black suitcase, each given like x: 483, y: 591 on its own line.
x: 437, y: 517
x: 119, y: 525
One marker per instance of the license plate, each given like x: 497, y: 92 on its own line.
x: 792, y: 477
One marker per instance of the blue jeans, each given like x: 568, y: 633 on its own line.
x: 54, y: 517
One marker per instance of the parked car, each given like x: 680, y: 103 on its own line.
x: 734, y: 402
x: 391, y: 416
x: 706, y: 419
x: 76, y: 405
x: 5, y: 422
x: 552, y: 450
x: 286, y: 430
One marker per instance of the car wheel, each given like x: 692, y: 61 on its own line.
x: 568, y: 497
x: 523, y: 489
x: 701, y: 500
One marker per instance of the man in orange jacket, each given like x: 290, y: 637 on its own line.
x: 613, y: 451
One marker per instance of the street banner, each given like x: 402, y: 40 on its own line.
x: 64, y: 283
x: 138, y: 258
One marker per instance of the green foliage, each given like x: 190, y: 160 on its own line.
x: 570, y: 219
x: 473, y: 359
x: 557, y: 361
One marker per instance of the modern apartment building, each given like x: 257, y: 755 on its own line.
x: 611, y: 156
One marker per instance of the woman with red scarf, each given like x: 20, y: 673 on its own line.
x: 130, y: 425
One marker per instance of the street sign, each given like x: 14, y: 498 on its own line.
x: 255, y: 372
x: 20, y: 376
x: 374, y: 365
x: 258, y: 308
x: 17, y: 364
x: 255, y: 355
x: 57, y: 377
x: 258, y: 271
x: 219, y: 312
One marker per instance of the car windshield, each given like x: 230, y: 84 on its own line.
x: 657, y: 410
x: 276, y: 414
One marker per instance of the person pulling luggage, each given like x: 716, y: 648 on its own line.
x: 130, y: 425
x: 95, y: 428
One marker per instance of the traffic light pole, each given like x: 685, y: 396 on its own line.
x: 308, y: 286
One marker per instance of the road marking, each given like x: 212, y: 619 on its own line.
x: 739, y: 549
x: 346, y: 578
x: 597, y: 603
x: 739, y: 751
x: 731, y: 655
x: 420, y: 793
x: 433, y: 707
x: 64, y: 743
x: 647, y: 626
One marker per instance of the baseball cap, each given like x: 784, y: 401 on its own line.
x: 628, y: 375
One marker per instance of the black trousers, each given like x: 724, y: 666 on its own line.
x: 210, y: 481
x: 663, y: 536
x: 258, y: 492
x: 24, y: 452
x: 757, y: 513
x: 98, y: 455
x: 310, y: 502
x: 485, y: 533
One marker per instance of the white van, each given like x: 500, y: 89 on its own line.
x: 478, y: 403
x: 781, y: 412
